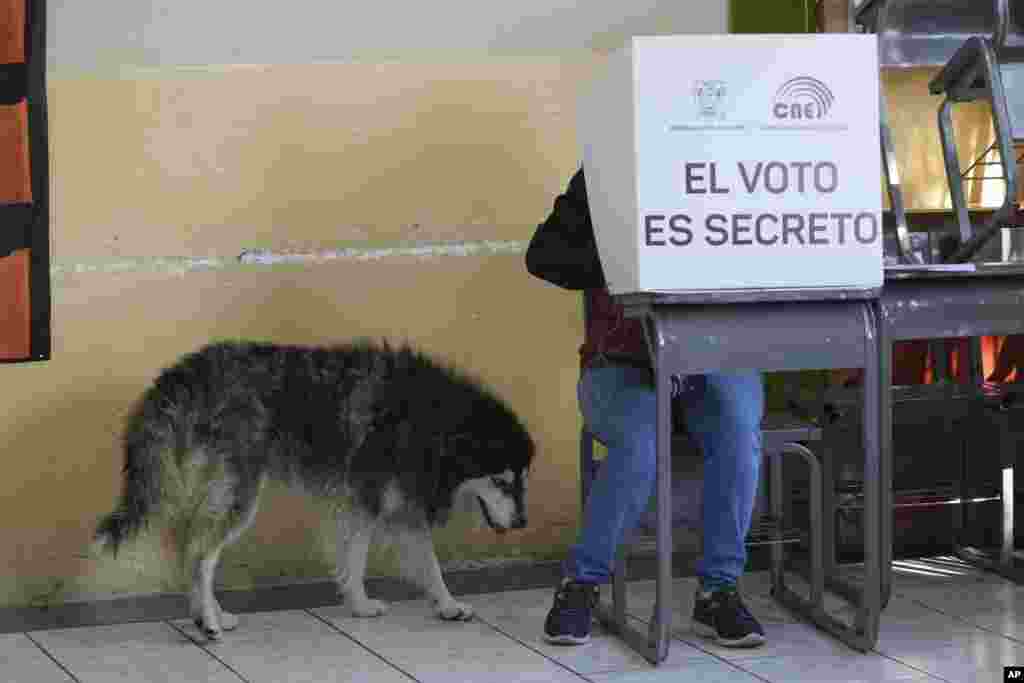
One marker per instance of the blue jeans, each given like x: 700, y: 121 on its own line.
x: 723, y: 414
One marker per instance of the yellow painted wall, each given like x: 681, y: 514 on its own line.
x: 162, y: 177
x: 427, y: 141
x: 206, y: 161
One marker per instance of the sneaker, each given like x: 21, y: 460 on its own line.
x: 568, y: 622
x: 723, y: 617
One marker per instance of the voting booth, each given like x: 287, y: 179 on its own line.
x: 736, y: 162
x: 734, y: 187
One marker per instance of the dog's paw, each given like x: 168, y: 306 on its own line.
x: 369, y: 608
x: 228, y: 621
x: 212, y: 633
x: 455, y: 611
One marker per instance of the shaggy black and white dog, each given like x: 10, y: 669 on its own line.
x: 393, y: 436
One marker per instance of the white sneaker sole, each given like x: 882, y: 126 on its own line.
x: 749, y: 640
x: 566, y: 640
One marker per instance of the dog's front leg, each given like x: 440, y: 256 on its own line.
x: 419, y: 564
x: 355, y: 531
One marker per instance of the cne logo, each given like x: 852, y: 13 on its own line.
x: 802, y: 99
x: 710, y: 99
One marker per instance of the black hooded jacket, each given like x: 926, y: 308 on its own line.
x: 563, y: 250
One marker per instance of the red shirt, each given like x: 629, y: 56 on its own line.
x: 610, y: 332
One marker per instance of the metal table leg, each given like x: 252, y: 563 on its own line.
x: 1006, y: 564
x: 661, y: 625
x: 654, y: 645
x: 885, y: 535
x: 827, y: 512
x: 864, y: 633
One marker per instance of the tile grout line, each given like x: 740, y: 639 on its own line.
x: 676, y: 637
x: 728, y: 662
x: 929, y: 674
x: 890, y: 657
x: 961, y: 619
x: 533, y: 649
x: 205, y: 649
x: 882, y: 654
x: 937, y: 611
x: 893, y: 658
x: 331, y: 625
x: 52, y: 657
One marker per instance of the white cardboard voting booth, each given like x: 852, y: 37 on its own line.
x: 736, y: 162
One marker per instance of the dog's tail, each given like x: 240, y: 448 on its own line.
x: 148, y: 438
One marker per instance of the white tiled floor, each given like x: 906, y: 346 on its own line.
x: 296, y: 647
x: 945, y: 623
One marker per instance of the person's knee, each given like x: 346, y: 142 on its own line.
x: 637, y: 447
x: 630, y: 419
x: 736, y: 402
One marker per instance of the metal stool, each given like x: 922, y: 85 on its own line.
x: 781, y: 435
x: 916, y: 33
x: 990, y: 67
